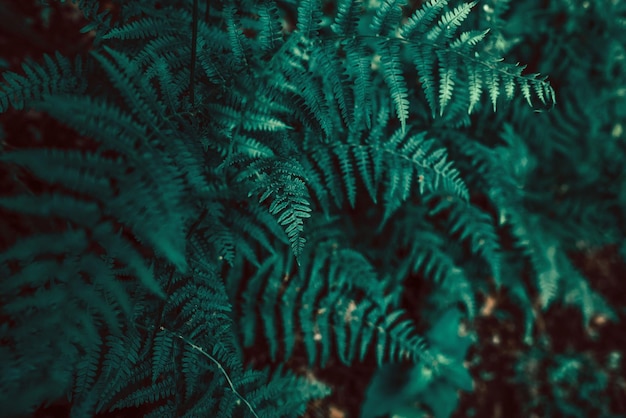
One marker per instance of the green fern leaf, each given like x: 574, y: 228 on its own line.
x: 270, y: 36
x: 309, y: 18
x: 392, y: 72
x: 493, y: 86
x: 422, y: 19
x: 387, y: 16
x: 347, y: 18
x: 161, y: 349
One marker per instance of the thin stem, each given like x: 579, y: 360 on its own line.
x: 219, y: 366
x: 194, y: 41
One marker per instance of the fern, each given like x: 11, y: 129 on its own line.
x: 55, y: 76
x: 284, y: 181
x: 358, y: 326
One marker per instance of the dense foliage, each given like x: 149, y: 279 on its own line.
x: 258, y: 191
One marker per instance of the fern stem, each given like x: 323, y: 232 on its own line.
x: 219, y: 366
x: 194, y: 41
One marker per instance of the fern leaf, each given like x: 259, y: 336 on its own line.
x: 525, y: 88
x: 56, y: 76
x: 450, y: 21
x: 309, y: 18
x: 475, y: 226
x: 347, y: 170
x: 161, y: 348
x: 148, y: 394
x: 386, y: 17
x: 468, y: 40
x: 395, y: 80
x: 493, y: 86
x: 509, y: 86
x: 147, y: 27
x: 86, y: 371
x: 341, y: 91
x: 291, y: 206
x: 238, y: 42
x: 475, y: 87
x: 422, y: 19
x: 191, y: 370
x: 447, y: 80
x: 424, y: 60
x: 127, y: 78
x: 270, y: 36
x: 366, y: 169
x: 347, y: 18
x: 358, y: 64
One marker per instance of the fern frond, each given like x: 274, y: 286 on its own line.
x: 147, y: 27
x: 475, y: 226
x: 127, y: 78
x: 329, y: 64
x: 422, y: 18
x: 424, y: 60
x: 291, y: 206
x: 309, y: 18
x: 270, y: 36
x: 238, y: 42
x: 282, y: 394
x: 55, y: 76
x: 347, y: 18
x: 444, y: 59
x: 392, y: 72
x: 447, y: 70
x: 450, y: 22
x: 387, y: 16
x: 358, y: 64
x: 161, y: 353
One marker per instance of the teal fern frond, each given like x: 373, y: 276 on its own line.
x: 332, y: 299
x: 286, y: 395
x: 276, y: 183
x: 387, y: 17
x: 144, y: 28
x: 444, y: 60
x: 391, y: 167
x: 578, y: 292
x: 429, y: 255
x: 309, y: 18
x: 392, y: 73
x: 432, y: 383
x: 56, y: 75
x: 253, y: 184
x: 238, y: 42
x: 326, y: 59
x: 347, y: 18
x: 62, y: 301
x: 102, y: 121
x: 474, y: 226
x: 270, y: 36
